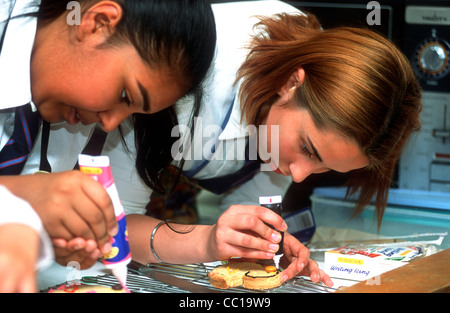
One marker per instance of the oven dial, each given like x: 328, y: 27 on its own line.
x: 432, y: 58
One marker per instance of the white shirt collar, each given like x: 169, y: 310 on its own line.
x: 15, y: 86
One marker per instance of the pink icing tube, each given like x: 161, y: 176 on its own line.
x: 98, y: 167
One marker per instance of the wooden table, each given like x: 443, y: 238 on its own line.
x: 426, y: 275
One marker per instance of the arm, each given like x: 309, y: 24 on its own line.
x: 241, y: 231
x: 19, y: 250
x: 183, y: 247
x: 24, y: 245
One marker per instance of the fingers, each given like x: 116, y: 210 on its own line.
x: 249, y: 246
x: 18, y: 256
x: 297, y: 261
x: 310, y: 268
x: 74, y: 226
x: 258, y: 236
x: 316, y: 274
x: 17, y: 277
x: 28, y: 283
x: 243, y: 231
x: 64, y: 256
x: 98, y: 212
x: 63, y: 249
x: 326, y: 279
x: 300, y: 254
x: 77, y: 206
x: 105, y: 214
x: 255, y: 219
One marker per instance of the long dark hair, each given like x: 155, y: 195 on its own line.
x: 178, y: 33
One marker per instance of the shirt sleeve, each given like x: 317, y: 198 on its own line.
x: 17, y: 211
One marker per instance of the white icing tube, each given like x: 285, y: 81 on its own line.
x: 98, y: 168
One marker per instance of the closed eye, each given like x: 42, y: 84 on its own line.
x: 306, y: 151
x: 125, y: 98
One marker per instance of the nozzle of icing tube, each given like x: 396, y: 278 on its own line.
x: 276, y: 260
x: 120, y: 273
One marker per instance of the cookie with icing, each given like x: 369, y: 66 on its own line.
x: 247, y: 274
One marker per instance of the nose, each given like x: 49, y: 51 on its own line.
x: 299, y: 172
x: 110, y: 120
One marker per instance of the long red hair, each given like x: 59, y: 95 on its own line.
x: 357, y: 83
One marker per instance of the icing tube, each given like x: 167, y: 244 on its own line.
x: 274, y: 203
x: 98, y: 168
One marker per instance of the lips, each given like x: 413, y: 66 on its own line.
x: 274, y: 167
x: 278, y: 171
x: 73, y: 117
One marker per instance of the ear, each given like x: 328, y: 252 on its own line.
x: 295, y: 80
x: 99, y: 21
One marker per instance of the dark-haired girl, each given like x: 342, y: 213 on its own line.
x: 65, y: 66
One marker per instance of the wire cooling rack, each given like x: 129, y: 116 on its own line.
x: 139, y: 282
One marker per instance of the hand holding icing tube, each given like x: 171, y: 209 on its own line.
x: 274, y: 203
x: 117, y: 260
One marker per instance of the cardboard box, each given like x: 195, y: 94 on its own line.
x: 362, y: 263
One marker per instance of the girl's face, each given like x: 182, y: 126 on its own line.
x: 303, y: 149
x: 76, y: 76
x: 104, y: 86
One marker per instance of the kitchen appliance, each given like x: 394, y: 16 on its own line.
x: 384, y: 17
x: 425, y: 163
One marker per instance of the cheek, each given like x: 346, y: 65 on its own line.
x: 94, y: 92
x: 288, y: 148
x: 52, y: 112
x: 94, y: 100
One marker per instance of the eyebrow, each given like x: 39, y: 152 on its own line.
x: 145, y: 97
x: 314, y: 149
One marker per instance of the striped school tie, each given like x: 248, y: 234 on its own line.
x: 15, y: 152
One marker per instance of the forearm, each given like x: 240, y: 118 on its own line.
x: 16, y: 211
x: 189, y: 245
x: 19, y: 185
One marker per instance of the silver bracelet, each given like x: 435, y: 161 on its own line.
x: 151, y: 241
